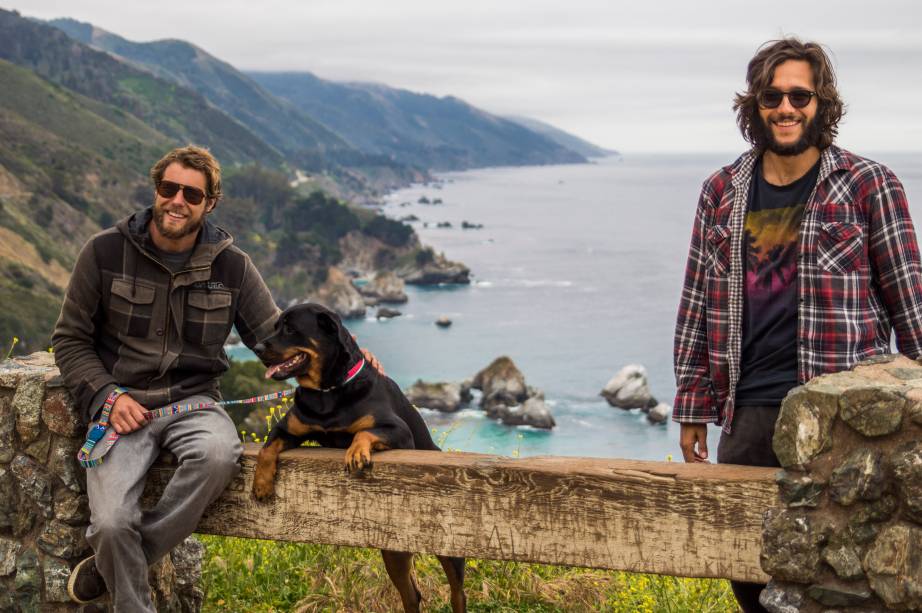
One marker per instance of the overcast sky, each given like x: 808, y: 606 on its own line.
x: 634, y: 76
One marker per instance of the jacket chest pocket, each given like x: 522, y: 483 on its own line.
x: 718, y: 250
x: 840, y: 247
x: 208, y: 317
x: 131, y: 307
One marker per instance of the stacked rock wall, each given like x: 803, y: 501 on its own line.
x: 43, y: 503
x: 849, y: 534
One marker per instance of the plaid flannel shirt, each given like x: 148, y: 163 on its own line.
x: 859, y: 277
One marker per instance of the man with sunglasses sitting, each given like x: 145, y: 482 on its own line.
x: 803, y: 258
x: 145, y: 316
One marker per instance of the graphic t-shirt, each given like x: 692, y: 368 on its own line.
x: 768, y: 369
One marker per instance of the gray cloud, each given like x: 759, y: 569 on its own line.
x: 652, y: 76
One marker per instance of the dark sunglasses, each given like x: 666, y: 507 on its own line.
x: 771, y: 98
x: 192, y: 195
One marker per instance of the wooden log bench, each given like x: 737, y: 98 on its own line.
x: 652, y: 517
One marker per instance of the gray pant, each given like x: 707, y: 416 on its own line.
x: 125, y: 538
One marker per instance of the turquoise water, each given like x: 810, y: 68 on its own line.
x: 577, y: 272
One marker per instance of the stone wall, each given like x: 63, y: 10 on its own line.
x: 43, y: 503
x: 848, y: 536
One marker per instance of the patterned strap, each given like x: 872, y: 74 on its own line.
x: 99, y: 430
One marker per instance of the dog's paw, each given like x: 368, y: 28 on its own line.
x: 263, y: 489
x: 358, y: 461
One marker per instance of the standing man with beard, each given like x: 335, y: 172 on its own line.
x: 145, y: 316
x: 803, y: 259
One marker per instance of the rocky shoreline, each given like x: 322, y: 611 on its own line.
x: 504, y: 396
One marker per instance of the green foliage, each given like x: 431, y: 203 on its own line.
x: 29, y: 313
x: 263, y: 576
x: 323, y: 215
x: 268, y: 188
x: 425, y: 256
x: 245, y: 380
x: 389, y: 231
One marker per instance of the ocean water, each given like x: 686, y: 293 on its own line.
x: 576, y: 273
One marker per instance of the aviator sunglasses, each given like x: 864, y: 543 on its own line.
x: 771, y: 98
x: 168, y: 189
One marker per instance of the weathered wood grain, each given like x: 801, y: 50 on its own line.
x: 657, y: 517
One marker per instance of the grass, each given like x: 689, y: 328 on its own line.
x: 265, y: 576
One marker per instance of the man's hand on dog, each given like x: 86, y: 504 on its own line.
x: 127, y: 415
x: 371, y: 359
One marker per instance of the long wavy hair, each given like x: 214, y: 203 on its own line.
x: 759, y: 76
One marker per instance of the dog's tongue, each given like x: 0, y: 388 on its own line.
x: 272, y: 370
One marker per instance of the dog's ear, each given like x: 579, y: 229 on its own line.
x: 329, y: 323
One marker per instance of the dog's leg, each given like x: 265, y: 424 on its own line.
x: 377, y: 438
x: 454, y: 570
x: 287, y: 434
x: 358, y: 455
x: 399, y: 565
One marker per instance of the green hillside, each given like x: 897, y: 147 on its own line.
x: 179, y: 113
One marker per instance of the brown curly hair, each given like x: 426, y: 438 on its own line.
x: 759, y: 76
x: 196, y: 158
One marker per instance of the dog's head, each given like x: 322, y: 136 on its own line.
x: 310, y: 344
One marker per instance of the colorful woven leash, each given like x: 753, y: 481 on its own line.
x: 99, y: 430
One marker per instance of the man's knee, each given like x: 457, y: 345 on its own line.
x: 112, y: 524
x: 217, y: 458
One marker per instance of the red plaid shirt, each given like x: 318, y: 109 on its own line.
x: 859, y: 276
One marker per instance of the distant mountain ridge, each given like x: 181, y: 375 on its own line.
x: 574, y: 143
x: 418, y: 129
x: 276, y: 122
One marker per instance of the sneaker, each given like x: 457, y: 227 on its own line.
x: 85, y: 583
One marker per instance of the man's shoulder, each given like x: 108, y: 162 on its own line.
x: 717, y: 181
x: 858, y: 167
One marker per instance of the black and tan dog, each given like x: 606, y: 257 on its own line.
x: 342, y: 403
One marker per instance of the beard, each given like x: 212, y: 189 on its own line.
x: 810, y: 137
x: 190, y: 227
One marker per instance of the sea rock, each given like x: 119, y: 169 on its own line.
x: 860, y: 476
x: 872, y: 411
x: 906, y: 463
x: 441, y: 396
x: 791, y: 544
x: 386, y: 287
x: 894, y: 566
x: 502, y: 383
x: 629, y: 389
x: 386, y: 313
x: 435, y: 269
x: 659, y: 414
x: 804, y: 426
x: 338, y: 294
x: 443, y: 321
x: 533, y: 412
